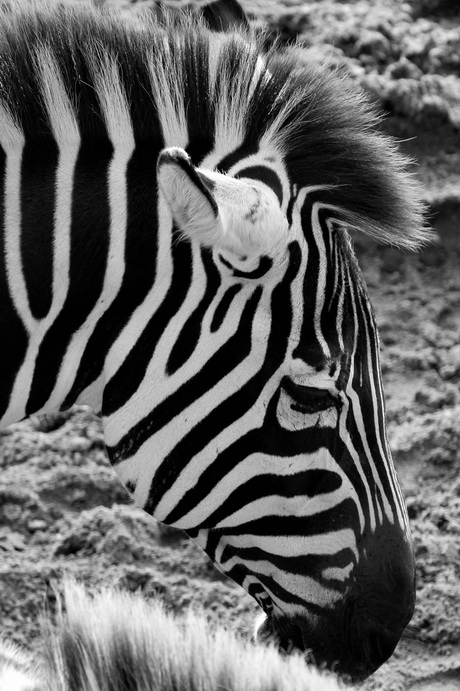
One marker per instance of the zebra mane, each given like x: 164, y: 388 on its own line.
x: 113, y: 641
x: 70, y: 72
x: 17, y: 670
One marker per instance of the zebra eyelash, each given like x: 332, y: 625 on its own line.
x: 309, y: 399
x: 265, y: 264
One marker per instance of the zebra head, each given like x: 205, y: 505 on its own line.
x: 292, y: 490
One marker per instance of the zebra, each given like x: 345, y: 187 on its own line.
x: 175, y: 206
x: 109, y: 640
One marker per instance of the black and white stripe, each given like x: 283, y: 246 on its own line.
x: 236, y: 365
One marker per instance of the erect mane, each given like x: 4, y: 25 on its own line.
x: 176, y: 83
x: 111, y: 641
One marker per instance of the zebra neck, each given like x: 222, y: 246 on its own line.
x: 78, y: 258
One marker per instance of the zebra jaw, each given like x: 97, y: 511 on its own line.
x: 266, y: 634
x: 220, y: 211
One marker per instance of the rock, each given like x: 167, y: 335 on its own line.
x: 36, y: 524
x: 79, y: 444
x: 11, y: 541
x: 403, y: 69
x: 134, y: 579
x: 423, y: 360
x: 423, y: 8
x: 438, y: 338
x: 432, y: 99
x: 391, y: 260
x: 432, y: 399
x: 374, y: 43
x: 49, y: 422
x: 11, y: 511
x: 432, y: 438
x: 122, y: 533
x: 415, y: 45
x: 450, y: 367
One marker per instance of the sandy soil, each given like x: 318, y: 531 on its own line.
x: 61, y: 507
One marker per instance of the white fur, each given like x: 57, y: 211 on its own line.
x: 167, y: 88
x: 115, y: 111
x: 59, y: 107
x: 12, y: 141
x: 249, y: 220
x: 18, y: 672
x: 65, y: 130
x: 99, y: 635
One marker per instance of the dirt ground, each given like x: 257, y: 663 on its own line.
x: 62, y: 510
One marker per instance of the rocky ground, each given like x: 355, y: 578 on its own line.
x: 63, y: 511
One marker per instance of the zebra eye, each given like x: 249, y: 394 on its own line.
x: 309, y: 399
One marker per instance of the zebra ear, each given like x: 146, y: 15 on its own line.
x: 221, y: 212
x: 189, y: 195
x: 225, y: 15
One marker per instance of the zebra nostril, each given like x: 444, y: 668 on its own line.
x: 378, y: 642
x: 291, y: 636
x: 294, y: 639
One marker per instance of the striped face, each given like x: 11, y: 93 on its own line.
x: 264, y: 433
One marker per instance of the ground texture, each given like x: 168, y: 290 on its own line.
x: 61, y: 507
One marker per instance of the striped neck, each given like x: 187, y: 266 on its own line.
x: 79, y: 258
